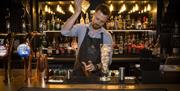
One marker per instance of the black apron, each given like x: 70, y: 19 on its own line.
x: 89, y: 50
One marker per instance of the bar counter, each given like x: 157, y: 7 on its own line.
x: 18, y: 84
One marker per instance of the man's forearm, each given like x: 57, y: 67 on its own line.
x: 70, y: 22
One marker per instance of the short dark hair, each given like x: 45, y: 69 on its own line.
x: 104, y: 8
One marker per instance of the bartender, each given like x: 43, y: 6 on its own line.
x: 90, y: 36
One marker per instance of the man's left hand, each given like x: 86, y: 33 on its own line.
x: 89, y: 66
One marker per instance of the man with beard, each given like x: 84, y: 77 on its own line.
x: 90, y: 36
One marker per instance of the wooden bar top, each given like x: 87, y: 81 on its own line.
x: 18, y: 84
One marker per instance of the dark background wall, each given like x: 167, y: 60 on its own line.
x: 168, y: 24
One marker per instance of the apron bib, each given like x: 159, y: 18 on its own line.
x: 89, y: 50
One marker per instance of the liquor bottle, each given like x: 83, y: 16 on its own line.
x: 120, y: 22
x: 44, y: 28
x: 157, y: 47
x: 111, y: 23
x: 116, y: 49
x: 108, y: 25
x: 150, y: 22
x: 133, y: 44
x: 8, y: 21
x: 129, y: 44
x: 121, y: 48
x: 132, y: 24
x: 128, y: 22
x: 87, y: 19
x: 48, y: 25
x: 49, y: 51
x: 57, y: 24
x: 115, y: 23
x: 68, y: 48
x: 62, y: 23
x: 23, y: 24
x: 44, y: 42
x: 54, y: 43
x: 57, y: 49
x: 125, y: 44
x: 145, y: 23
x: 82, y: 20
x: 52, y: 23
x: 41, y: 22
x: 138, y: 24
x: 61, y: 49
x: 124, y: 23
x: 74, y: 45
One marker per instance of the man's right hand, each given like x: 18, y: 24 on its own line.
x: 78, y: 7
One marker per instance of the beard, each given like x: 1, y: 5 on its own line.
x: 96, y: 26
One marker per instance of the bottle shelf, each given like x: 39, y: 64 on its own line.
x: 132, y: 31
x: 53, y: 31
x: 154, y: 31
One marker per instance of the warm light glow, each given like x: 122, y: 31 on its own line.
x: 72, y: 2
x: 111, y: 7
x: 154, y: 10
x: 46, y: 8
x: 49, y: 10
x: 60, y: 10
x: 52, y: 12
x: 133, y: 1
x: 148, y: 7
x: 130, y: 87
x: 130, y: 12
x: 92, y: 11
x: 71, y: 9
x: 123, y: 8
x: 133, y: 9
x: 142, y: 11
x: 145, y: 9
x: 136, y: 7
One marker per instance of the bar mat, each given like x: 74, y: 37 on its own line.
x: 56, y: 89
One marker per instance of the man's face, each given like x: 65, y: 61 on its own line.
x: 99, y: 19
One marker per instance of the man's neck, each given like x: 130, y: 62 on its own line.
x: 95, y: 30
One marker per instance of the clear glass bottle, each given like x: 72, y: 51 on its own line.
x: 121, y: 47
x: 111, y: 23
x: 87, y: 19
x: 82, y: 20
x: 57, y: 24
x: 52, y: 23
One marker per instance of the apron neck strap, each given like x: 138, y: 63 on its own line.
x: 102, y: 38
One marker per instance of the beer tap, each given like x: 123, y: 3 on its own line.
x: 4, y: 55
x: 42, y: 68
x: 9, y: 42
x: 3, y: 48
x: 23, y: 51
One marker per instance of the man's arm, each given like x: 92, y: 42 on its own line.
x: 70, y: 22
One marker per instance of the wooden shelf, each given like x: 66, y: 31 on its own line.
x: 132, y: 31
x: 52, y: 31
x: 110, y: 31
